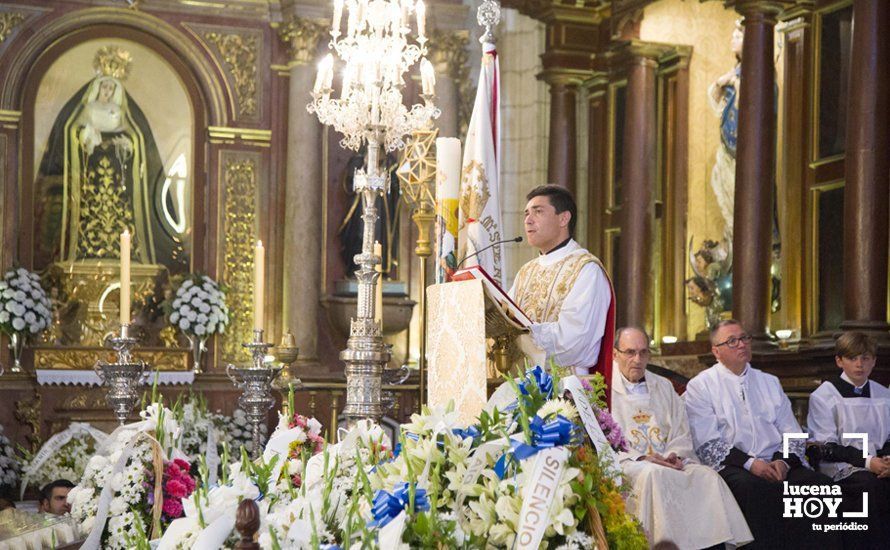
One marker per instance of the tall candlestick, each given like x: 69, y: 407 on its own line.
x: 125, y: 277
x: 259, y: 272
x: 378, y: 294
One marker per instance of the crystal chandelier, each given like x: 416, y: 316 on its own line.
x: 376, y: 54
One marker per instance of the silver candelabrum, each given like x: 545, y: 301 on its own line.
x: 123, y: 377
x: 366, y: 354
x: 255, y: 383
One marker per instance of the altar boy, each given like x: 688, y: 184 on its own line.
x: 852, y: 404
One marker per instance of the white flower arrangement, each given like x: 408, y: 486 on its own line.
x: 69, y: 462
x: 9, y: 463
x: 24, y: 306
x: 199, y: 307
x: 126, y: 477
x: 197, y: 423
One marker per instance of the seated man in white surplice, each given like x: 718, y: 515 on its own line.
x: 671, y: 490
x: 738, y: 416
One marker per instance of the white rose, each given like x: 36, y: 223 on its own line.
x: 174, y: 317
x: 176, y: 303
x: 19, y: 296
x: 22, y: 272
x: 201, y: 318
x: 18, y: 324
x: 187, y: 283
x: 184, y: 324
x: 191, y: 316
x: 30, y: 318
x: 196, y: 302
x: 34, y: 329
x: 19, y: 310
x: 200, y: 330
x: 213, y: 318
x: 204, y: 308
x: 8, y: 293
x: 29, y: 303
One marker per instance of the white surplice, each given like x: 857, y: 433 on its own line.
x: 749, y: 412
x: 831, y: 415
x: 572, y: 335
x: 666, y: 501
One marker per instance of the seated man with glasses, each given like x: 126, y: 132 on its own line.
x: 671, y: 490
x: 738, y: 416
x: 852, y: 404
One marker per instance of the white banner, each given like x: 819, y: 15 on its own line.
x: 480, y: 222
x: 572, y: 384
x: 537, y: 497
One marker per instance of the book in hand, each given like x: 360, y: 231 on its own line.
x: 493, y: 288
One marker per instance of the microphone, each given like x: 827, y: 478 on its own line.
x: 483, y: 249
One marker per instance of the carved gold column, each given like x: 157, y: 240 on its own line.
x: 448, y: 53
x: 302, y: 220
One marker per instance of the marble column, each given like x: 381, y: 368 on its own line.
x: 448, y: 53
x: 755, y: 169
x: 561, y: 154
x: 867, y: 170
x: 302, y: 223
x: 638, y: 167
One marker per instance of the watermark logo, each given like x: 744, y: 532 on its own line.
x: 820, y: 501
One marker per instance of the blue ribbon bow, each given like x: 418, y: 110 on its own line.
x: 540, y: 378
x: 555, y: 433
x: 389, y: 505
x: 472, y: 432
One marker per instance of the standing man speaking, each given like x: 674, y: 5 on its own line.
x: 565, y: 291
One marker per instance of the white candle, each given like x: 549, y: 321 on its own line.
x: 259, y: 272
x: 427, y: 77
x: 325, y: 75
x: 378, y: 292
x: 420, y: 9
x: 447, y: 168
x: 125, y: 277
x: 338, y: 15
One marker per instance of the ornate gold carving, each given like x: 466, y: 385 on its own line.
x: 239, y: 51
x: 448, y: 52
x: 8, y: 21
x: 86, y: 399
x: 301, y: 37
x: 91, y: 284
x: 62, y: 358
x: 222, y: 134
x: 240, y: 176
x: 27, y: 411
x: 113, y: 61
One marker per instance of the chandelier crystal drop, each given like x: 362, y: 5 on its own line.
x: 376, y: 51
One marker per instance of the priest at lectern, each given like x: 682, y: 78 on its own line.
x: 565, y: 291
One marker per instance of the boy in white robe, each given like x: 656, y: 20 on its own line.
x: 853, y: 404
x: 671, y: 490
x: 738, y: 416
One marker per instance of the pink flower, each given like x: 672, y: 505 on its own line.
x: 175, y: 489
x: 189, y: 484
x: 173, y: 470
x: 586, y: 385
x: 172, y: 508
x: 183, y: 465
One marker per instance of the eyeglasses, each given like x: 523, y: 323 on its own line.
x: 734, y: 341
x: 641, y: 353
